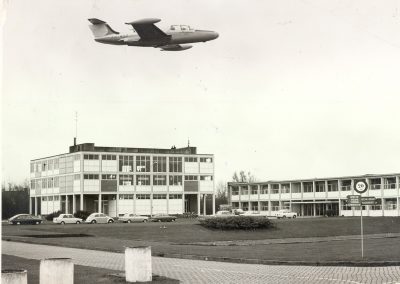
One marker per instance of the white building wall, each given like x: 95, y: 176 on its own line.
x: 126, y: 206
x: 77, y: 185
x: 175, y: 188
x: 91, y: 165
x: 77, y: 166
x: 206, y: 186
x: 206, y: 168
x: 109, y: 165
x: 175, y: 206
x: 143, y: 206
x: 126, y: 188
x: 112, y: 208
x: 159, y: 206
x: 143, y: 188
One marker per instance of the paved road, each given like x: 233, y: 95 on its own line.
x: 197, y: 271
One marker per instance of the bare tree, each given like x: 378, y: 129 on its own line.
x: 243, y: 177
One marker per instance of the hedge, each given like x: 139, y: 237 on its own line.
x: 81, y: 214
x: 237, y: 223
x: 53, y: 215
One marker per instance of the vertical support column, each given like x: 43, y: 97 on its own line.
x: 382, y: 198
x: 326, y: 189
x: 81, y: 202
x: 315, y: 209
x: 66, y: 204
x: 36, y: 205
x: 99, y: 204
x: 183, y: 203
x: 14, y: 276
x: 213, y: 204
x: 204, y: 204
x: 116, y: 204
x: 198, y: 204
x: 258, y: 199
x: 30, y: 205
x: 73, y: 204
x: 240, y: 196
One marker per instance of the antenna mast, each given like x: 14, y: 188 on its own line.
x: 76, y: 127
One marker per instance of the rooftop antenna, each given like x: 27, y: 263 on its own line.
x: 76, y: 127
x: 188, y: 142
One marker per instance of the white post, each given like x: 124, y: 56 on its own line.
x: 213, y: 203
x: 362, y: 232
x: 56, y: 270
x: 138, y: 264
x: 204, y: 204
x: 14, y: 276
x: 99, y: 204
x: 73, y: 204
x: 36, y: 205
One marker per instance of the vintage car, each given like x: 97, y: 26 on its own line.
x: 99, y: 218
x: 162, y: 217
x: 21, y: 219
x: 284, y: 213
x: 67, y: 219
x: 130, y: 218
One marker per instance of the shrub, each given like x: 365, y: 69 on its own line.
x: 81, y: 214
x: 237, y: 223
x: 53, y: 215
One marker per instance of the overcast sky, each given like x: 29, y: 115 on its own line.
x: 290, y: 89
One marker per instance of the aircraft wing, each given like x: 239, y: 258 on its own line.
x: 147, y: 30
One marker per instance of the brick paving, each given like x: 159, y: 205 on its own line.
x: 197, y: 271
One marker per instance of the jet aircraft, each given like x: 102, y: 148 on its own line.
x: 149, y: 35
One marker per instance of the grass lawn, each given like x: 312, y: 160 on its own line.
x: 82, y: 274
x: 176, y: 237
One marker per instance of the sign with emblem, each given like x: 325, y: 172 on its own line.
x: 360, y: 186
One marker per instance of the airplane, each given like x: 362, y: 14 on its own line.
x: 149, y: 35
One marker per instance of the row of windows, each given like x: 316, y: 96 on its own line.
x: 51, y: 198
x: 191, y: 159
x: 147, y: 196
x: 47, y: 165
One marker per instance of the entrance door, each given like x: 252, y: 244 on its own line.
x: 105, y: 207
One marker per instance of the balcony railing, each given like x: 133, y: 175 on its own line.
x: 345, y: 188
x: 375, y: 186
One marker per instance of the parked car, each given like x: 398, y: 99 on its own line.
x: 162, y: 217
x: 98, y: 218
x: 285, y: 214
x: 25, y: 219
x: 67, y: 219
x: 254, y: 214
x: 224, y: 213
x: 238, y: 211
x: 129, y: 218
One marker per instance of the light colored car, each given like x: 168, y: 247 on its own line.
x: 99, y: 218
x: 254, y: 214
x: 130, y: 218
x: 67, y: 219
x: 224, y: 213
x: 285, y: 214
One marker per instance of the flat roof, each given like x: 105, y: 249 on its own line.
x: 314, y: 179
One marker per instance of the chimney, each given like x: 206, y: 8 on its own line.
x: 74, y: 141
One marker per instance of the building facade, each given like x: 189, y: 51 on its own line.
x: 116, y: 180
x: 318, y: 197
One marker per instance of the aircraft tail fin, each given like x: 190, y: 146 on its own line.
x: 100, y: 28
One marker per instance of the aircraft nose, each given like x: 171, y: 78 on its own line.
x: 215, y: 35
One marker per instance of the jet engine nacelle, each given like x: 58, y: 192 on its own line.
x: 175, y: 47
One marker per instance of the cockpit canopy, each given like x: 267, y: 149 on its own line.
x: 181, y: 28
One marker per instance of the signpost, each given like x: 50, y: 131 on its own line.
x: 360, y: 186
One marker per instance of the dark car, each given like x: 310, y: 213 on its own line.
x: 163, y: 218
x: 21, y: 219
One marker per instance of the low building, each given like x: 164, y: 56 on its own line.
x: 118, y: 180
x: 319, y: 196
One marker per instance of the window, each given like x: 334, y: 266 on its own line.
x: 391, y: 204
x: 285, y: 188
x: 190, y: 178
x: 175, y: 164
x: 332, y: 186
x: 50, y: 198
x: 142, y: 180
x: 51, y: 165
x: 159, y: 164
x: 44, y: 166
x: 245, y: 191
x: 77, y: 177
x: 264, y: 206
x: 320, y: 187
x: 77, y: 157
x: 108, y: 177
x: 206, y: 178
x: 264, y: 189
x: 235, y: 190
x: 308, y: 187
x: 56, y: 198
x: 142, y: 196
x: 44, y: 198
x: 90, y: 176
x: 159, y: 196
x: 254, y: 190
x: 90, y: 157
x: 125, y: 196
x: 44, y: 183
x: 109, y: 157
x: 56, y: 164
x: 32, y: 167
x: 175, y: 180
x: 56, y: 182
x: 125, y: 179
x: 274, y: 188
x: 205, y: 160
x: 126, y: 163
x: 143, y: 163
x: 175, y: 196
x: 159, y: 180
x: 32, y: 184
x: 50, y: 182
x: 191, y: 159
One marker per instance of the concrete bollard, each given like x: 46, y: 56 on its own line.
x: 56, y: 270
x: 14, y: 276
x: 138, y: 264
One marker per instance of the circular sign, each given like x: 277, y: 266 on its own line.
x: 360, y: 186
